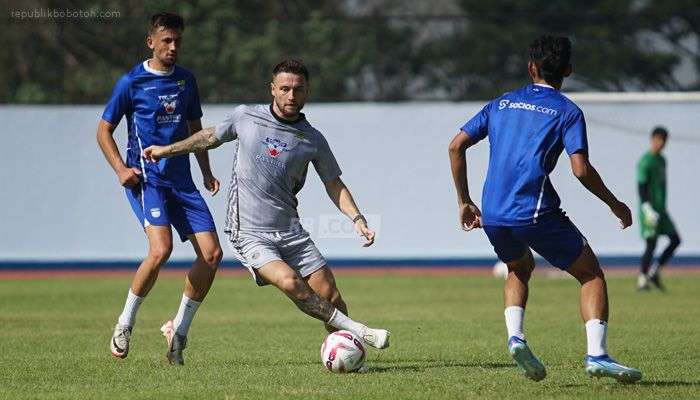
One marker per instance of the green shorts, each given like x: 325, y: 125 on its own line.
x: 664, y: 227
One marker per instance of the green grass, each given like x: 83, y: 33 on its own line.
x: 448, y: 341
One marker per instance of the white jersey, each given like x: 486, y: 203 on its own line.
x: 271, y: 158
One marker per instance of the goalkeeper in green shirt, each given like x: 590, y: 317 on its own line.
x: 655, y: 221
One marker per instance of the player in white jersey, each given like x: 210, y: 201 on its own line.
x: 274, y: 146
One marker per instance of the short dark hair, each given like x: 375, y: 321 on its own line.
x: 291, y: 66
x: 551, y: 55
x: 660, y: 131
x: 166, y: 20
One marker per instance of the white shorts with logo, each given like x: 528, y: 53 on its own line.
x: 294, y: 247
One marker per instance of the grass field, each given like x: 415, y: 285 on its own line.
x: 448, y: 341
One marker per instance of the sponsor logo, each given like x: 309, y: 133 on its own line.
x: 270, y: 161
x: 274, y: 146
x: 169, y: 102
x: 299, y: 135
x: 526, y: 106
x: 155, y: 212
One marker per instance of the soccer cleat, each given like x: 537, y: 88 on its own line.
x: 119, y: 345
x: 642, y: 283
x: 176, y: 343
x: 657, y: 282
x: 606, y: 367
x: 377, y: 338
x: 529, y: 366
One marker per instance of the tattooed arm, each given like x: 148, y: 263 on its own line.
x: 200, y: 141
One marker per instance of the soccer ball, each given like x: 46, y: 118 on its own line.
x: 342, y: 352
x: 500, y: 270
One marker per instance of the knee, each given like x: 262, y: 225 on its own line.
x: 293, y: 287
x: 675, y: 241
x: 213, y: 257
x: 161, y: 252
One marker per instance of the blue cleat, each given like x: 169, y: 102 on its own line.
x: 529, y: 366
x: 604, y: 366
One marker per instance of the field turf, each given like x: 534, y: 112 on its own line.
x: 448, y: 341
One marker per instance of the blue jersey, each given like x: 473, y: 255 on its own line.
x: 157, y: 106
x: 527, y: 130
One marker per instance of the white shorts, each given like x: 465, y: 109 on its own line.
x: 294, y: 247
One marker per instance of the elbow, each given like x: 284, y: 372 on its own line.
x: 581, y: 173
x: 456, y: 148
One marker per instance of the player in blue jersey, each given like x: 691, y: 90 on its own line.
x: 161, y: 103
x: 527, y: 131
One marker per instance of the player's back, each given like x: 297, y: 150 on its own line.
x: 527, y: 130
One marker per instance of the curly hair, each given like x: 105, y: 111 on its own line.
x: 551, y: 55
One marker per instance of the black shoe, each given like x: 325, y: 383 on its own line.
x: 657, y: 282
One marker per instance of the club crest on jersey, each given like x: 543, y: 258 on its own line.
x: 169, y: 102
x: 155, y: 212
x: 274, y: 146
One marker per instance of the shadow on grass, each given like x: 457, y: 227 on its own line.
x: 648, y: 384
x: 669, y: 383
x: 425, y: 365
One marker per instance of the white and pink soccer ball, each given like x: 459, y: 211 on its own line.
x: 342, y: 352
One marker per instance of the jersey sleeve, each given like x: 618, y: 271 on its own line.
x: 227, y: 130
x: 478, y: 127
x: 194, y: 107
x: 643, y: 170
x: 325, y: 163
x: 120, y: 101
x: 574, y: 133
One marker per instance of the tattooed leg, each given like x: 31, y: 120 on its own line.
x: 316, y: 306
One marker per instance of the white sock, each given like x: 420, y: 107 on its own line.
x: 514, y: 321
x: 343, y: 322
x: 128, y: 316
x: 596, y: 331
x: 185, y: 313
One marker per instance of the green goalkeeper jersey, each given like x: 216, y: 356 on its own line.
x: 651, y: 170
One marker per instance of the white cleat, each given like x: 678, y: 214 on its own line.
x: 120, y: 341
x: 377, y: 338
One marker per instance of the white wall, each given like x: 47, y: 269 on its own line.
x: 61, y: 201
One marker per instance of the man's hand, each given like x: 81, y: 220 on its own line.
x: 622, y: 212
x: 469, y: 217
x: 362, y: 230
x: 211, y: 183
x: 129, y: 177
x: 155, y: 153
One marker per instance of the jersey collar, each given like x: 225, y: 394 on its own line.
x: 156, y: 72
x: 284, y: 121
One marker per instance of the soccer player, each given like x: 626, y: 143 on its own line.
x: 651, y: 179
x: 527, y: 130
x: 274, y: 145
x: 161, y: 104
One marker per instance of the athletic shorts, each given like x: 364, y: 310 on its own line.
x: 663, y: 227
x: 184, y: 209
x: 554, y: 237
x: 294, y: 247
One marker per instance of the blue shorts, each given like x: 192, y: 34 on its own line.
x: 554, y: 237
x: 184, y: 209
